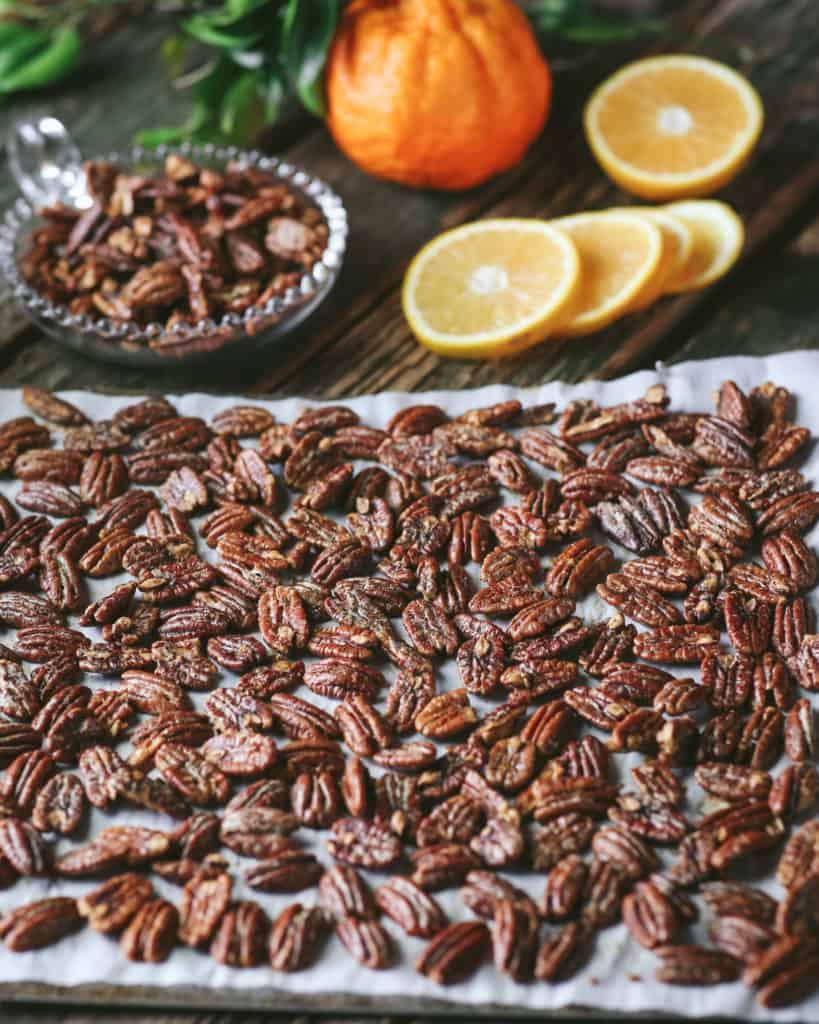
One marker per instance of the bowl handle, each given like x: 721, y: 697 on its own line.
x: 46, y: 163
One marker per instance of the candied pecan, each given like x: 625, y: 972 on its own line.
x: 112, y: 905
x: 241, y: 935
x: 445, y: 715
x: 39, y: 923
x: 366, y: 941
x: 315, y: 799
x: 234, y: 710
x: 410, y: 693
x: 60, y: 805
x: 192, y: 775
x: 561, y: 953
x: 736, y: 899
x: 617, y: 846
x: 564, y: 888
x: 511, y: 471
x: 786, y: 971
x: 363, y: 844
x: 576, y: 569
x: 602, y: 894
x: 344, y: 893
x: 797, y: 512
x: 733, y: 782
x: 514, y: 939
x: 484, y: 890
x: 614, y: 451
x: 679, y: 643
x: 799, y: 732
x: 650, y: 915
x: 152, y: 932
x: 649, y: 819
x: 23, y: 847
x: 455, y: 952
x: 548, y: 799
x: 155, y: 795
x: 695, y: 965
x: 240, y: 752
x: 787, y: 556
x: 591, y: 486
x: 22, y: 781
x: 339, y: 679
x: 747, y: 622
x: 50, y: 498
x: 48, y: 464
x: 596, y: 707
x: 16, y: 564
x: 637, y: 601
x: 257, y: 831
x: 670, y: 470
x: 286, y: 869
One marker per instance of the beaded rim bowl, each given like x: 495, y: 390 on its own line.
x: 238, y: 334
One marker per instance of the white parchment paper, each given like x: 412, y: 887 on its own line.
x: 619, y: 977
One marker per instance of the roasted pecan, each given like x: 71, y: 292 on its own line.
x: 695, y: 965
x: 241, y: 936
x: 455, y: 952
x: 60, y: 805
x: 296, y: 938
x: 363, y: 844
x: 40, y: 923
x: 152, y: 932
x: 112, y: 905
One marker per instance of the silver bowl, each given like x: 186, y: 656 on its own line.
x: 239, y: 335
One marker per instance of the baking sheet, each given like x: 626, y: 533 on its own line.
x: 618, y: 978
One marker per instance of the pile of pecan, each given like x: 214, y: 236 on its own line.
x: 347, y: 562
x: 187, y: 245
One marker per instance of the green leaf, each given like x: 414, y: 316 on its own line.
x: 235, y: 9
x: 549, y: 15
x: 210, y: 88
x: 242, y: 109
x: 579, y: 22
x: 203, y: 28
x: 274, y: 92
x: 15, y: 50
x: 308, y: 29
x: 13, y: 31
x: 60, y: 55
x: 610, y: 30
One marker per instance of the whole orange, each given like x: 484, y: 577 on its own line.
x: 435, y: 93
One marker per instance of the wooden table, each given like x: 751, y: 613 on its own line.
x: 358, y: 342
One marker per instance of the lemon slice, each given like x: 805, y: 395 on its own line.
x: 620, y: 253
x: 678, y: 241
x: 489, y: 288
x: 718, y: 236
x: 673, y: 126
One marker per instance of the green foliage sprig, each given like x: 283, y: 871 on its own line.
x: 579, y: 21
x: 255, y: 53
x: 239, y: 58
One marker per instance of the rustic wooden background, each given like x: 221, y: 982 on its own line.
x: 358, y: 341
